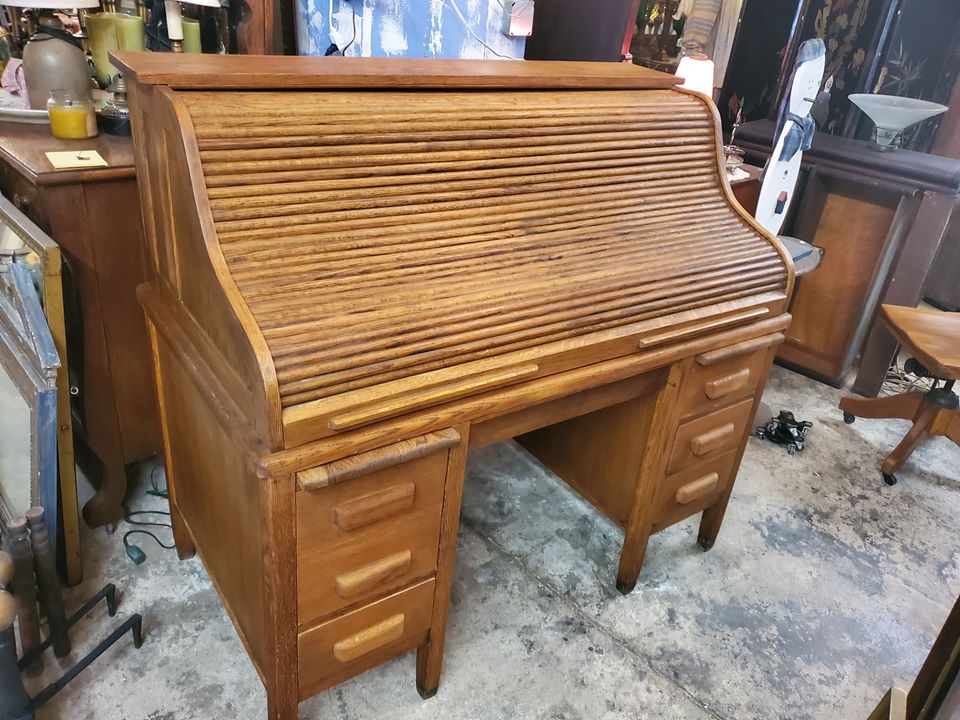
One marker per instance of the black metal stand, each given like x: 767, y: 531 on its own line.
x: 132, y: 624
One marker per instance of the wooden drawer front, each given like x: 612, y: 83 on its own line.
x: 369, y: 535
x: 709, y: 436
x: 24, y: 195
x: 356, y: 641
x: 709, y: 387
x: 689, y: 491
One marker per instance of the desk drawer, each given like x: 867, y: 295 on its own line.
x: 709, y: 436
x: 356, y: 641
x: 366, y: 536
x: 709, y: 387
x: 689, y: 491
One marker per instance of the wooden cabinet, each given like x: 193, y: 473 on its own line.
x: 881, y: 218
x: 94, y: 216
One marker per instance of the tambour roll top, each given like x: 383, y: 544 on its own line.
x: 400, y: 249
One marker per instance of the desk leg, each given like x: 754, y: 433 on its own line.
x: 652, y: 469
x: 430, y: 655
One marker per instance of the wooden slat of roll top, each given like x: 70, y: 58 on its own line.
x: 290, y: 140
x: 304, y: 379
x: 459, y: 214
x: 341, y: 183
x: 614, y: 223
x: 345, y: 381
x: 381, y: 274
x: 388, y: 272
x: 661, y: 154
x: 592, y: 303
x: 376, y: 190
x: 588, y: 296
x: 373, y: 460
x: 610, y: 225
x: 263, y: 158
x: 551, y: 358
x: 377, y: 199
x: 354, y: 377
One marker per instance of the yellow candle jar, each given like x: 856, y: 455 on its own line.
x: 71, y: 117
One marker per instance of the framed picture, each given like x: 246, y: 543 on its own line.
x: 23, y: 243
x: 28, y: 394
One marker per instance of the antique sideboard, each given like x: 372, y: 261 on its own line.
x: 360, y: 269
x: 94, y: 216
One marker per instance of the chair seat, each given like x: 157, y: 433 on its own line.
x: 931, y: 336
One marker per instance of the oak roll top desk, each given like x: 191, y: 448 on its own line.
x: 359, y: 269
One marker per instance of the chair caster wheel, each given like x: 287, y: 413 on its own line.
x: 848, y: 418
x: 890, y: 478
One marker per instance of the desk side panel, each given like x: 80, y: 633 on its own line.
x: 183, y: 259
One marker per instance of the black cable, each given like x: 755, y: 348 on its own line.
x: 133, y: 551
x: 353, y: 11
x: 155, y: 489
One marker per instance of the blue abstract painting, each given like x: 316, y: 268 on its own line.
x: 406, y: 28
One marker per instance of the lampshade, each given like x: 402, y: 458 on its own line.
x: 52, y: 4
x: 697, y: 73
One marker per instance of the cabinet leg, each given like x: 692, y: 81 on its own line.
x: 106, y: 506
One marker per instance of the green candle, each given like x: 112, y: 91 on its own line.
x: 191, y: 35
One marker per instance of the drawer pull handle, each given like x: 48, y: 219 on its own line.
x: 376, y: 506
x: 370, y: 577
x: 723, y: 386
x: 373, y: 638
x: 698, y: 488
x: 372, y: 460
x: 435, y: 395
x: 712, y: 440
x: 712, y: 357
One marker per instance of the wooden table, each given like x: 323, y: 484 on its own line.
x: 94, y: 215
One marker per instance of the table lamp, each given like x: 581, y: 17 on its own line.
x: 175, y: 20
x: 53, y: 59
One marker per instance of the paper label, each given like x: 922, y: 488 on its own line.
x: 75, y: 159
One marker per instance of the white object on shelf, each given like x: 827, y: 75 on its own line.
x: 893, y: 114
x: 697, y: 73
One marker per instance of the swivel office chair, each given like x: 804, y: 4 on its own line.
x: 932, y: 337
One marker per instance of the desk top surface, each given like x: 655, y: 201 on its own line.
x: 24, y: 147
x: 339, y: 73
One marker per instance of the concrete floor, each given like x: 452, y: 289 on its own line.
x: 824, y: 587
